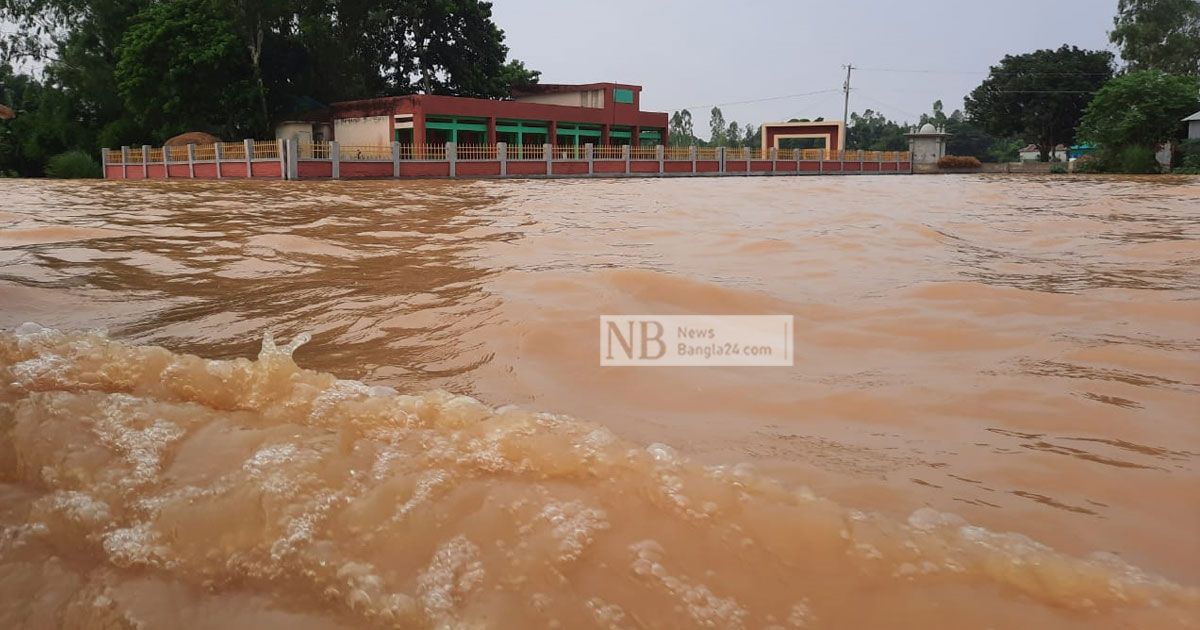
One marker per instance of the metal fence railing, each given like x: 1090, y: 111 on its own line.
x: 365, y: 153
x: 476, y: 152
x: 271, y: 150
x: 266, y: 149
x: 608, y: 152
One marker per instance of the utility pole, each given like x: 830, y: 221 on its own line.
x: 846, y: 89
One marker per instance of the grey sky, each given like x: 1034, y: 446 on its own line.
x: 703, y: 53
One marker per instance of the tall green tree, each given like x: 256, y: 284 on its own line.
x: 681, y: 130
x: 872, y: 131
x: 1039, y: 96
x: 1140, y: 109
x: 717, y: 127
x: 181, y: 66
x: 1159, y: 35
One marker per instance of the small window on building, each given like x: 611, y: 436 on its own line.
x: 621, y: 95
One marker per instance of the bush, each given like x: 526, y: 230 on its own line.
x: 1058, y: 169
x: 1189, y: 151
x: 73, y: 165
x: 959, y: 161
x: 1135, y: 160
x: 1089, y: 164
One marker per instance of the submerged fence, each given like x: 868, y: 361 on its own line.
x: 283, y: 159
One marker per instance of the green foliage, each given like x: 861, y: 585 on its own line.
x: 1134, y: 159
x: 129, y: 71
x: 1039, y: 96
x: 1005, y: 150
x: 681, y: 132
x: 871, y: 131
x: 73, y: 165
x: 1090, y: 164
x: 1159, y: 35
x: 1189, y: 151
x: 1139, y: 109
x: 181, y: 67
x: 1058, y: 169
x: 718, y: 129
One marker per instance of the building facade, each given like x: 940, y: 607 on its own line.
x: 563, y: 115
x: 1193, y: 122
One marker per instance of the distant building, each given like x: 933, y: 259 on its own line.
x: 597, y: 113
x: 1193, y: 122
x: 1031, y: 153
x: 927, y: 144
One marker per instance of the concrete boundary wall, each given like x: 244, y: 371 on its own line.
x: 288, y: 161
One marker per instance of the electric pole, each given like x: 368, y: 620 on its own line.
x: 846, y: 89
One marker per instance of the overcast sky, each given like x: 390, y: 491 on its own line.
x: 700, y: 53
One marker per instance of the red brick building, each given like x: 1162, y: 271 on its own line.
x: 599, y: 113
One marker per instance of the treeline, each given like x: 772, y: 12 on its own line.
x: 1057, y: 97
x: 114, y: 72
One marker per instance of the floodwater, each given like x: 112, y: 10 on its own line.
x: 993, y: 420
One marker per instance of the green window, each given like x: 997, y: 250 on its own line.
x: 622, y: 95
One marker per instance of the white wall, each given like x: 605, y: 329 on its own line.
x: 298, y: 131
x: 1194, y: 130
x: 369, y: 131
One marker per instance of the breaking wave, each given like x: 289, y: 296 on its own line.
x: 143, y: 488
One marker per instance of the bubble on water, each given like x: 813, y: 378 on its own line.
x: 573, y: 525
x: 605, y: 615
x: 702, y: 605
x: 453, y: 573
x: 928, y: 518
x: 428, y: 482
x: 142, y: 448
x: 662, y: 453
x: 78, y: 507
x: 801, y: 614
x: 341, y: 391
x: 136, y: 545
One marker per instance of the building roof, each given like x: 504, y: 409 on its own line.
x: 1193, y: 117
x: 556, y: 88
x: 6, y: 113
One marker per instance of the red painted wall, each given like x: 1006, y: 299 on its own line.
x: 365, y: 170
x: 309, y: 169
x: 708, y: 166
x: 570, y: 168
x: 643, y: 166
x: 760, y: 166
x: 605, y: 166
x: 477, y: 169
x: 233, y: 170
x: 154, y: 171
x: 180, y: 170
x: 527, y: 168
x: 677, y: 167
x: 114, y: 172
x: 269, y: 170
x: 425, y: 169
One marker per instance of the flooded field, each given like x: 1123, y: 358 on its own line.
x: 993, y: 420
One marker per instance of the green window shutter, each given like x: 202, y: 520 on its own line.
x: 621, y: 95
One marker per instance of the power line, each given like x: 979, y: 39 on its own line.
x: 932, y: 71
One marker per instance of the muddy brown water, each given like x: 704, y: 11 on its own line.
x: 993, y: 420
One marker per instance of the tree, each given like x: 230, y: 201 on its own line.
x: 752, y: 136
x: 681, y: 131
x: 872, y: 131
x: 1039, y: 96
x: 733, y: 135
x: 182, y: 67
x: 1159, y: 35
x: 1139, y: 109
x: 716, y: 125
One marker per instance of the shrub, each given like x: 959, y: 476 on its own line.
x: 959, y: 161
x: 1135, y: 159
x: 1089, y: 164
x: 1058, y: 169
x: 73, y: 165
x: 1189, y: 151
